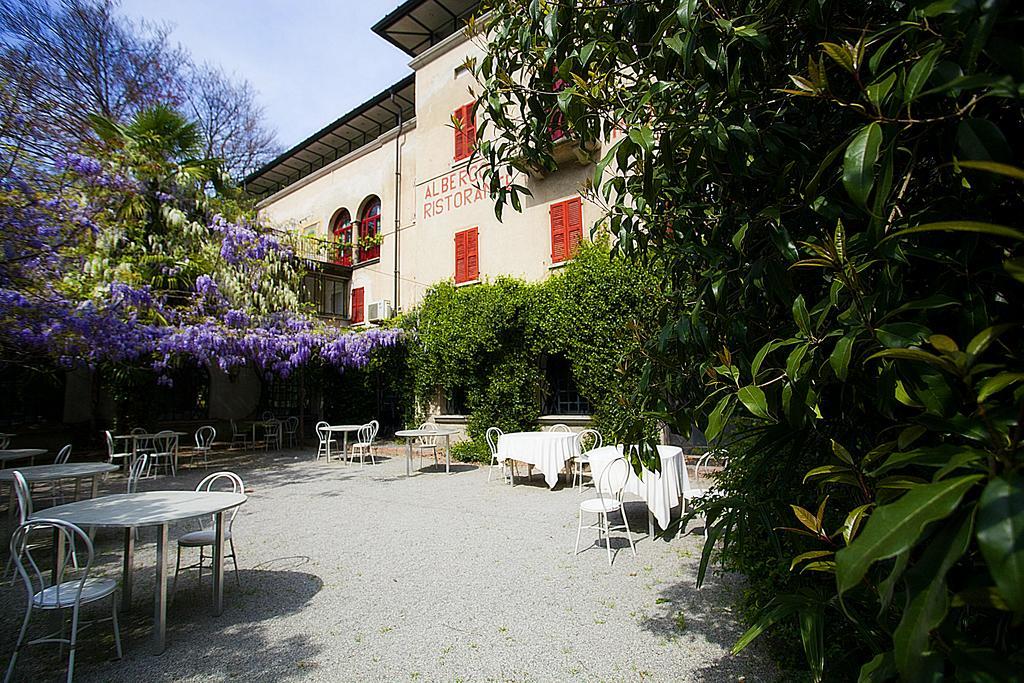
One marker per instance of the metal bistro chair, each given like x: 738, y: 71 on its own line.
x: 272, y: 433
x: 23, y: 498
x: 425, y: 442
x: 136, y: 472
x: 327, y: 441
x: 239, y: 436
x: 206, y: 536
x: 693, y: 493
x: 55, y: 488
x: 65, y: 593
x: 560, y: 428
x: 291, y: 430
x: 367, y: 433
x: 204, y: 443
x: 267, y: 415
x: 141, y: 445
x: 507, y: 467
x: 5, y: 441
x: 588, y: 440
x: 611, y: 480
x: 113, y: 455
x: 165, y: 453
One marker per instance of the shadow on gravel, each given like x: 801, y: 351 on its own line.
x: 685, y: 611
x: 199, y: 644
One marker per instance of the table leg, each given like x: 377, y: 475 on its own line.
x: 344, y: 446
x: 160, y: 607
x: 650, y: 523
x: 218, y: 564
x: 126, y: 572
x: 408, y: 457
x: 447, y: 454
x: 95, y: 486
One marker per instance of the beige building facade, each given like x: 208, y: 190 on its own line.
x: 402, y: 152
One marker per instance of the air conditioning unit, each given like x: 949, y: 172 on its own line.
x: 377, y: 311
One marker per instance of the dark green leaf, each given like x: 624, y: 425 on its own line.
x: 755, y: 401
x: 859, y: 163
x: 962, y: 226
x: 896, y: 527
x: 840, y: 358
x: 1001, y: 536
x: 919, y: 75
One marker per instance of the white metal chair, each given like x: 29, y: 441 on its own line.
x: 611, y: 480
x: 426, y: 443
x: 560, y: 428
x: 5, y: 441
x: 693, y: 492
x: 165, y: 453
x: 141, y: 445
x: 204, y: 443
x: 587, y: 440
x: 327, y: 441
x: 272, y: 434
x: 507, y: 467
x: 267, y: 416
x: 239, y: 436
x: 206, y: 536
x: 136, y: 472
x: 63, y: 593
x: 367, y: 434
x: 291, y: 430
x: 55, y: 488
x: 113, y: 455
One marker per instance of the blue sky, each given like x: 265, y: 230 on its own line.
x: 310, y: 60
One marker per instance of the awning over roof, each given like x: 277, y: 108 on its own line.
x: 363, y: 124
x: 417, y: 25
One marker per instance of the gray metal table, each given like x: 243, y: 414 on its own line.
x: 344, y: 430
x: 410, y: 434
x: 29, y: 454
x: 158, y: 509
x: 46, y: 473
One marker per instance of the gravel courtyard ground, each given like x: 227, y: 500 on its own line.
x: 351, y: 573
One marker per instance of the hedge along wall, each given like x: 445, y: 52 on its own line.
x: 487, y: 340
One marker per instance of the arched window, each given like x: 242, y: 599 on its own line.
x: 369, y: 230
x: 341, y: 229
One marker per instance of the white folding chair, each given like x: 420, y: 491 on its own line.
x: 611, y: 480
x: 587, y: 440
x: 206, y: 536
x: 364, y: 446
x: 327, y: 441
x: 165, y: 453
x: 61, y: 593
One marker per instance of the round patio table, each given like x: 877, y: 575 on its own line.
x: 157, y: 509
x: 344, y: 430
x: 410, y: 434
x: 20, y: 454
x: 44, y: 473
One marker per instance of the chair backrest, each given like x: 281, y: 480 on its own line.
x: 291, y: 424
x: 5, y: 441
x: 272, y: 427
x: 25, y: 560
x: 425, y: 440
x: 63, y: 456
x: 165, y: 441
x: 234, y: 429
x: 492, y: 435
x: 611, y: 476
x: 24, y: 496
x: 218, y: 480
x: 722, y: 454
x: 138, y: 430
x: 560, y: 428
x: 267, y: 415
x: 110, y: 444
x: 205, y: 436
x: 589, y: 439
x: 368, y: 432
x: 136, y: 471
x: 321, y: 431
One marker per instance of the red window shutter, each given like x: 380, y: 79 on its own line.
x: 472, y: 255
x: 465, y: 132
x: 573, y: 225
x: 460, y: 257
x: 558, y: 232
x: 357, y: 304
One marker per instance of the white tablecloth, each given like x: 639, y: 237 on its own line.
x: 660, y: 490
x: 547, y: 451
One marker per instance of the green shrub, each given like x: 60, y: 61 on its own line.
x: 471, y: 451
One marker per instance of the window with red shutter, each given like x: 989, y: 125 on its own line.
x: 566, y: 229
x: 467, y: 258
x: 465, y: 132
x: 369, y: 226
x: 357, y: 305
